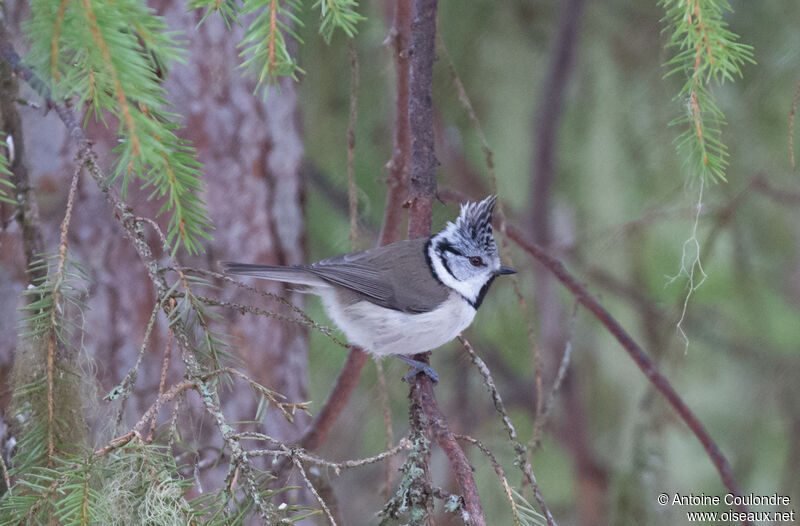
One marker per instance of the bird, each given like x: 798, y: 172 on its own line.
x: 406, y: 297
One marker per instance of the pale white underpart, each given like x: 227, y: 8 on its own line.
x: 383, y: 331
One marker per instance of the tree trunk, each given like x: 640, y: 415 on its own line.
x: 251, y: 150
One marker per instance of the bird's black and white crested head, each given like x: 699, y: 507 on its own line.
x: 463, y: 256
x: 474, y: 224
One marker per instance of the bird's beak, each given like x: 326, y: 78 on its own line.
x: 506, y: 270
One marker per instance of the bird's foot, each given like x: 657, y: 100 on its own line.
x: 416, y: 368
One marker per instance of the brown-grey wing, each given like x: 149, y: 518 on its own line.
x: 358, y: 278
x: 395, y: 276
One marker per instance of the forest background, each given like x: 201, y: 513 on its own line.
x: 564, y: 109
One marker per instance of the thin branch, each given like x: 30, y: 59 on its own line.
x: 57, y: 311
x: 547, y: 406
x: 305, y: 456
x: 422, y: 195
x: 497, y: 469
x: 397, y: 182
x: 150, y: 414
x: 266, y: 294
x: 347, y: 380
x: 163, y: 381
x: 132, y: 231
x: 287, y: 408
x: 383, y: 394
x: 313, y: 490
x: 637, y: 354
x: 250, y: 309
x: 519, y: 448
x: 795, y: 100
x: 27, y: 213
x: 125, y: 387
x: 506, y: 255
x: 351, y: 144
x: 548, y: 118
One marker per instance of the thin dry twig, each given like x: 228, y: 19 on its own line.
x: 637, y: 354
x: 519, y: 448
x: 540, y: 422
x: 287, y: 408
x: 126, y: 385
x: 351, y: 144
x: 162, y: 382
x: 148, y: 415
x: 305, y: 456
x: 129, y: 222
x: 497, y: 469
x: 6, y: 477
x: 57, y: 310
x: 313, y: 490
x: 795, y: 100
x: 266, y: 294
x: 345, y: 384
x: 383, y: 394
x: 463, y: 97
x: 250, y: 309
x: 422, y: 194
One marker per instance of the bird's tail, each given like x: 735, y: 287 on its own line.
x: 294, y: 274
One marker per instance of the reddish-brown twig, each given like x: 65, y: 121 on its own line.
x: 422, y: 195
x: 636, y: 353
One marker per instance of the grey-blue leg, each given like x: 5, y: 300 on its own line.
x: 418, y: 367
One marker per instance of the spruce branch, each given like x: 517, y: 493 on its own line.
x: 338, y: 14
x: 707, y: 52
x: 228, y: 10
x: 5, y: 184
x: 264, y: 46
x: 57, y: 311
x: 91, y: 53
x: 187, y: 340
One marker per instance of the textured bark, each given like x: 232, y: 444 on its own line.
x: 251, y: 150
x: 252, y: 153
x: 397, y: 183
x: 391, y: 231
x: 420, y: 117
x: 423, y: 193
x: 21, y: 237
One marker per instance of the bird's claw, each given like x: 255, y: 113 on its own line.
x: 418, y: 367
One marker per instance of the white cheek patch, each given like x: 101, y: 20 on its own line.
x: 469, y: 288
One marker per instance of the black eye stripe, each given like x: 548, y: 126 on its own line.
x: 446, y: 246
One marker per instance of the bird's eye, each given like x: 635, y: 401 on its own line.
x: 476, y: 261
